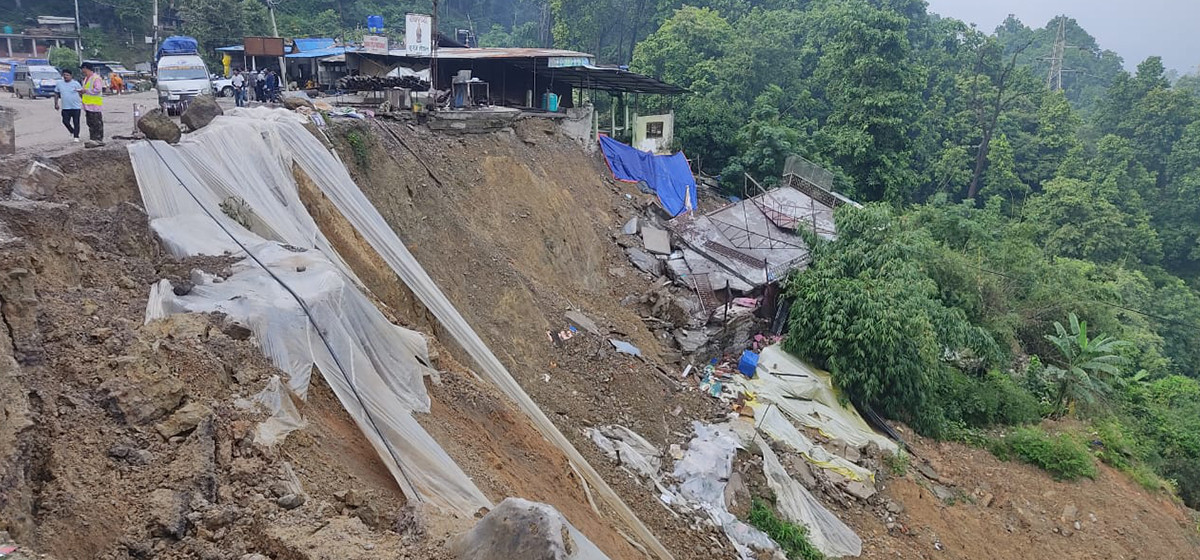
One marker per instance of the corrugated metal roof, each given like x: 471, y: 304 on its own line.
x: 318, y: 53
x: 242, y: 48
x: 468, y: 54
x: 313, y: 43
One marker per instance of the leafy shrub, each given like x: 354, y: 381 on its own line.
x: 989, y: 400
x: 360, y: 146
x: 1060, y: 455
x: 1116, y: 447
x: 791, y: 537
x: 897, y: 462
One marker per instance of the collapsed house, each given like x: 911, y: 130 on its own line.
x: 731, y: 259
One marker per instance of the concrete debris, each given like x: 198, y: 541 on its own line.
x: 201, y: 111
x: 677, y: 270
x: 689, y: 341
x: 860, y: 490
x: 582, y: 321
x: 519, y: 528
x: 156, y: 125
x: 927, y: 471
x: 184, y: 420
x: 644, y: 261
x: 630, y: 227
x: 656, y: 240
x: 625, y: 347
x: 38, y: 182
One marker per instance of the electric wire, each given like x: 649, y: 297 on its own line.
x: 307, y: 312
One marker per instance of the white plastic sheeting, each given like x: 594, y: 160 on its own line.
x: 285, y: 418
x: 628, y: 448
x: 328, y: 173
x: 776, y: 426
x: 375, y: 368
x: 703, y: 473
x: 825, y: 531
x: 805, y: 395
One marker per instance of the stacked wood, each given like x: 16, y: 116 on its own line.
x: 376, y: 83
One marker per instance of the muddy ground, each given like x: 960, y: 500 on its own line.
x: 121, y: 440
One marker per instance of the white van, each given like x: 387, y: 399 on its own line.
x: 35, y: 81
x: 181, y: 78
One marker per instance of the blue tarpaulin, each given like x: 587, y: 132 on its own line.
x: 178, y: 44
x: 669, y: 176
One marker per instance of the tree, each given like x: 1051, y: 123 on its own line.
x: 1000, y: 178
x: 1076, y: 218
x: 993, y: 89
x: 63, y: 58
x: 1057, y: 135
x: 1084, y: 369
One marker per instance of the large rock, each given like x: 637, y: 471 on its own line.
x: 156, y: 125
x: 522, y: 529
x: 201, y: 111
x: 168, y: 511
x: 294, y: 102
x: 184, y: 420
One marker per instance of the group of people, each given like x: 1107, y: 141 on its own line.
x: 264, y: 86
x: 73, y: 98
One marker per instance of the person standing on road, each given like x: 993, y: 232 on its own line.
x: 239, y: 87
x: 118, y: 85
x: 93, y: 105
x: 272, y: 85
x: 68, y: 100
x: 259, y: 85
x: 251, y: 84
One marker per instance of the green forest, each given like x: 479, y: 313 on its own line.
x: 1026, y: 252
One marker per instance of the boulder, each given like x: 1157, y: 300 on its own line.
x: 292, y: 103
x: 201, y: 111
x: 38, y: 182
x: 690, y: 341
x: 156, y: 125
x: 519, y: 528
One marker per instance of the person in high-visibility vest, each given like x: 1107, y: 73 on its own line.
x: 93, y: 104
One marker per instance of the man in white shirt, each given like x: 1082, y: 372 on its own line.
x: 239, y: 87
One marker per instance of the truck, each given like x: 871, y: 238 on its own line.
x: 180, y: 74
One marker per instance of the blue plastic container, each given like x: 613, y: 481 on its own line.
x: 749, y: 363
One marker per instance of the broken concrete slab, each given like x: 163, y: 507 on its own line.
x: 582, y: 321
x: 38, y: 182
x: 860, y: 490
x: 656, y: 240
x: 630, y: 227
x: 690, y: 340
x: 644, y: 261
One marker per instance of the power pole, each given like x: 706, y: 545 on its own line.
x: 433, y: 31
x: 1054, y: 77
x: 155, y: 24
x: 78, y: 31
x: 282, y: 63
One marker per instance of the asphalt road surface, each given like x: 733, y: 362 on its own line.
x: 40, y: 129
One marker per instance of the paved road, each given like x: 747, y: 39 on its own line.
x: 40, y: 129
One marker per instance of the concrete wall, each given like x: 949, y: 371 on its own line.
x: 665, y: 133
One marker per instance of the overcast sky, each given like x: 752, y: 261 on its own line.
x: 1135, y: 29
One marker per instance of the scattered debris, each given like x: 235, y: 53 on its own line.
x: 628, y: 449
x: 656, y: 240
x: 644, y: 261
x: 582, y: 321
x: 625, y: 347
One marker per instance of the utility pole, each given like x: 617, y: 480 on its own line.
x: 78, y: 31
x: 433, y: 31
x: 155, y: 24
x: 1054, y: 77
x: 282, y: 63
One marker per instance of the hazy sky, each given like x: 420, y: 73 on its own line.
x: 1135, y: 29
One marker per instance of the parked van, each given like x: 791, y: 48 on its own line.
x: 181, y: 74
x: 35, y: 81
